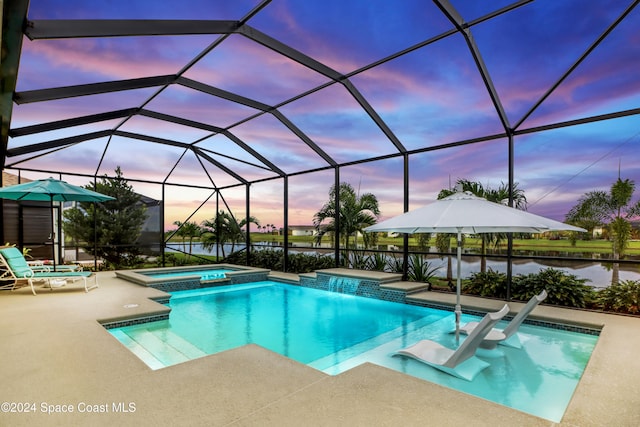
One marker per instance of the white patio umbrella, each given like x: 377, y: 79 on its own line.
x: 463, y: 212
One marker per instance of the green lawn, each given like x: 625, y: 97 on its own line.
x: 534, y: 244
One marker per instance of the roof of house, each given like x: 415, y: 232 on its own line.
x: 9, y: 179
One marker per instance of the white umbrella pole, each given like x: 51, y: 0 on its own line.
x: 458, y: 308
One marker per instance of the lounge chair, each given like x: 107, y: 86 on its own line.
x: 17, y: 269
x: 40, y: 266
x: 507, y: 336
x: 462, y: 362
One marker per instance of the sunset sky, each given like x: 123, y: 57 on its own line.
x: 431, y: 96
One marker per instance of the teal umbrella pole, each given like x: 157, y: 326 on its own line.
x: 53, y: 232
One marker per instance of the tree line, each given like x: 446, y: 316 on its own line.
x: 110, y: 230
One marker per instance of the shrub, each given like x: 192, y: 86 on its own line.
x: 420, y: 270
x: 267, y: 258
x: 623, y: 297
x: 491, y: 283
x: 273, y: 259
x: 303, y: 263
x: 239, y: 258
x: 395, y: 264
x: 169, y: 258
x: 376, y: 261
x: 358, y: 260
x: 562, y: 288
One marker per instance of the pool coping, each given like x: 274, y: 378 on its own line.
x: 541, y: 316
x: 380, y: 277
x: 136, y: 276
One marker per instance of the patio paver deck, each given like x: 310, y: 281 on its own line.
x: 54, y: 352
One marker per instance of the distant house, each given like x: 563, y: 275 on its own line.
x: 600, y: 231
x: 597, y: 232
x: 9, y: 179
x: 302, y: 230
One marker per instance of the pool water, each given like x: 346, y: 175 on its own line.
x: 334, y: 332
x: 209, y: 274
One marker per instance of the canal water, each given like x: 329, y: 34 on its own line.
x: 598, y: 273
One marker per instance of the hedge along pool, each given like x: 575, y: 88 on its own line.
x: 334, y: 332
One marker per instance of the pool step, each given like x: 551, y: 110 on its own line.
x: 158, y: 349
x: 328, y: 365
x: 181, y: 344
x: 440, y: 330
x: 143, y: 354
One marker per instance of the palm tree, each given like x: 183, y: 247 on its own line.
x: 356, y: 212
x: 187, y: 230
x: 242, y: 227
x: 180, y: 232
x: 191, y: 230
x: 225, y: 226
x: 499, y: 195
x: 613, y: 210
x: 217, y: 231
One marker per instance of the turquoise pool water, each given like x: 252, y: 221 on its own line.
x: 335, y: 332
x: 209, y: 274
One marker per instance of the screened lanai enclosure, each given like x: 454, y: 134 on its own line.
x: 258, y: 108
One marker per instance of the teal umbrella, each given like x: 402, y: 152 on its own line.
x: 51, y: 190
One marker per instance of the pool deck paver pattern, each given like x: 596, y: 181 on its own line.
x: 54, y: 352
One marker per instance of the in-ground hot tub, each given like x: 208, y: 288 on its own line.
x: 193, y: 277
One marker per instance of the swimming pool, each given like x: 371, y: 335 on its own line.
x: 335, y: 332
